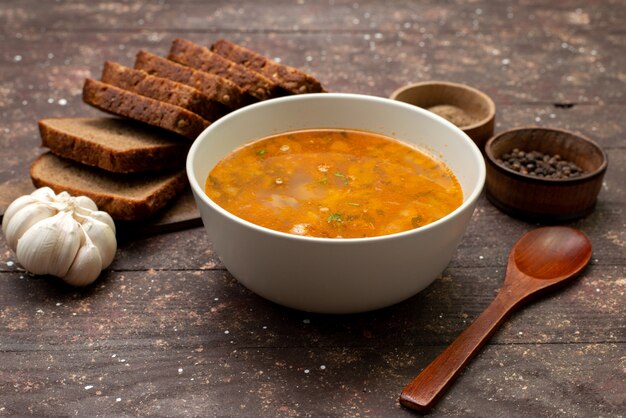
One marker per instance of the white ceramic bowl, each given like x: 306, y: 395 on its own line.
x: 335, y: 275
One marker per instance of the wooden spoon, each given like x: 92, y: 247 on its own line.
x: 541, y: 259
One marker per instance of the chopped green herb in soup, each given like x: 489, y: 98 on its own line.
x: 334, y: 183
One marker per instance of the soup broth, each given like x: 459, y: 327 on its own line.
x: 334, y: 183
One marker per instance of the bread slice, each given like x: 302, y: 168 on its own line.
x: 211, y: 85
x: 162, y: 89
x: 113, y: 144
x: 290, y: 79
x: 134, y: 106
x: 124, y: 196
x: 193, y: 55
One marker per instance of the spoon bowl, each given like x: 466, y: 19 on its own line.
x: 551, y: 253
x: 541, y: 259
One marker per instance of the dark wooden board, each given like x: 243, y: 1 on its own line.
x: 227, y: 350
x: 167, y: 331
x: 589, y: 310
x: 180, y: 213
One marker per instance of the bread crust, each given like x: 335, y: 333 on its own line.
x: 73, y: 138
x: 134, y: 106
x: 213, y: 86
x: 112, y: 192
x: 193, y: 55
x: 289, y: 78
x: 130, y: 169
x: 162, y: 89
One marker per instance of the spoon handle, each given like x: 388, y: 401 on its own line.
x: 424, y: 390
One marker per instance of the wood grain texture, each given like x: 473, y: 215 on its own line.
x: 541, y: 260
x: 149, y: 338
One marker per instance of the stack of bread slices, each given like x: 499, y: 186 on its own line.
x: 132, y: 164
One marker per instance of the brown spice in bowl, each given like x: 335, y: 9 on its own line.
x: 466, y: 107
x: 454, y: 114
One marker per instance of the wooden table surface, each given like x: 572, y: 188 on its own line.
x: 167, y: 331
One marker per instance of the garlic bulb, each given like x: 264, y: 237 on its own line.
x: 61, y: 235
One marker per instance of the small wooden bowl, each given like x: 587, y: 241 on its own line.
x: 468, y: 108
x: 545, y: 199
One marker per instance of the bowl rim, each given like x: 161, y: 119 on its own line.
x: 491, y: 159
x: 467, y: 201
x: 491, y: 106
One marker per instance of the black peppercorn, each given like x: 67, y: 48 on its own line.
x: 537, y: 164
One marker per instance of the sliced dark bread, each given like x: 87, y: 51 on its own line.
x: 134, y: 106
x: 162, y: 89
x: 123, y: 196
x: 113, y: 144
x: 290, y: 79
x: 193, y: 55
x: 211, y: 85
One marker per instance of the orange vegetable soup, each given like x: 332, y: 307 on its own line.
x: 334, y: 183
